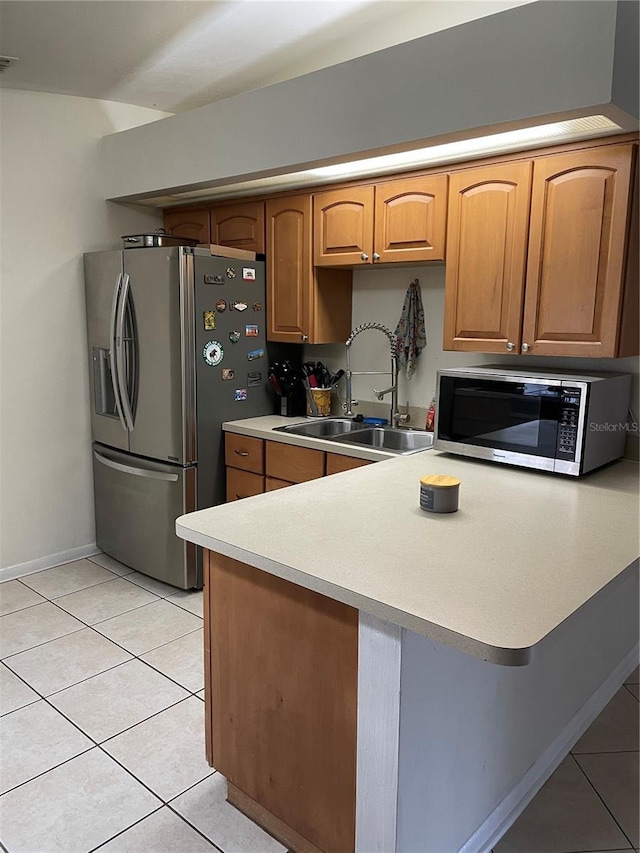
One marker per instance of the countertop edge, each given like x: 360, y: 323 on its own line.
x: 253, y: 430
x: 468, y: 645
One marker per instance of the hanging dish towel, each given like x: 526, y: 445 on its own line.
x: 411, y: 336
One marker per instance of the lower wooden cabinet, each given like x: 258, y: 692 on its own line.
x: 337, y: 463
x: 255, y: 465
x: 241, y: 451
x: 281, y: 688
x: 271, y: 484
x: 243, y: 484
x: 295, y: 464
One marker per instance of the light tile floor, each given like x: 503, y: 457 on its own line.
x: 102, y: 719
x: 102, y: 732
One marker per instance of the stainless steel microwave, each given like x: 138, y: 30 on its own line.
x: 553, y: 420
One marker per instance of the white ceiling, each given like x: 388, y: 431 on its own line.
x: 174, y: 55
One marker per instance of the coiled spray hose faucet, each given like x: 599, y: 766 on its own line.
x: 395, y: 416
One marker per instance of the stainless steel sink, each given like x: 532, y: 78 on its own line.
x: 346, y: 431
x: 391, y: 439
x: 326, y: 429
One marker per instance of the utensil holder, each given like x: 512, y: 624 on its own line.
x: 318, y: 402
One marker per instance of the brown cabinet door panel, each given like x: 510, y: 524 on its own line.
x: 294, y: 464
x: 284, y: 683
x: 243, y: 484
x: 343, y: 227
x: 579, y: 211
x: 240, y: 451
x: 410, y: 220
x: 289, y: 271
x: 272, y: 485
x: 193, y: 224
x: 239, y: 225
x: 337, y: 463
x: 486, y: 251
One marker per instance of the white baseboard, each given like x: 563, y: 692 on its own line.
x: 48, y: 562
x: 505, y: 814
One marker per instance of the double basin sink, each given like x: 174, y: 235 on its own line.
x: 346, y: 431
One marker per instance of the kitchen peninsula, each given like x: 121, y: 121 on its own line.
x: 384, y: 679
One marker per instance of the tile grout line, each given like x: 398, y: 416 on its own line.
x: 126, y: 829
x: 92, y: 627
x: 584, y: 773
x: 94, y: 742
x: 108, y: 669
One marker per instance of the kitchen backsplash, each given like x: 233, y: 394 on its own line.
x: 378, y: 295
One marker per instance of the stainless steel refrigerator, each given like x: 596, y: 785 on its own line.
x: 176, y: 346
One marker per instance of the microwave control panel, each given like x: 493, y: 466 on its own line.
x: 568, y: 425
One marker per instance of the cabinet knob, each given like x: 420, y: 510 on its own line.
x: 376, y: 256
x: 304, y: 338
x: 364, y: 257
x: 511, y: 346
x: 525, y: 347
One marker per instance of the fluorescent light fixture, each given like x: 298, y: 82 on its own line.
x: 467, y: 148
x: 451, y: 152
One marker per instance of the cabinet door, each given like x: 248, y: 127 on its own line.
x: 243, y: 484
x: 410, y: 220
x: 289, y: 271
x: 486, y: 252
x: 304, y: 304
x: 337, y: 463
x: 575, y: 271
x: 239, y: 225
x: 190, y: 223
x: 343, y: 227
x: 282, y: 704
x: 240, y: 451
x: 272, y: 485
x: 293, y: 464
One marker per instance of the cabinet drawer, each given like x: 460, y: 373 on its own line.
x: 243, y: 452
x: 337, y: 463
x: 294, y: 464
x: 272, y: 485
x: 243, y: 484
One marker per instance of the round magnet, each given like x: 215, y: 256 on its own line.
x: 213, y: 353
x: 234, y: 337
x: 221, y: 305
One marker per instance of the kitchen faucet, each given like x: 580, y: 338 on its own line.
x: 396, y: 418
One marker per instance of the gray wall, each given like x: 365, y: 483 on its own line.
x: 527, y: 62
x: 470, y: 730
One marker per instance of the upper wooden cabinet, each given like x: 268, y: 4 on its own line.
x: 577, y: 250
x: 239, y: 225
x: 486, y: 254
x: 187, y: 222
x: 396, y: 221
x: 303, y: 304
x: 539, y: 260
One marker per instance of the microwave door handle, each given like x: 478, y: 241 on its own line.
x: 121, y: 364
x: 113, y: 361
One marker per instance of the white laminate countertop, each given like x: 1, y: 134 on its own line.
x: 524, y: 551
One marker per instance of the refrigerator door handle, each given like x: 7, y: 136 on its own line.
x: 121, y: 364
x: 131, y: 469
x: 113, y: 362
